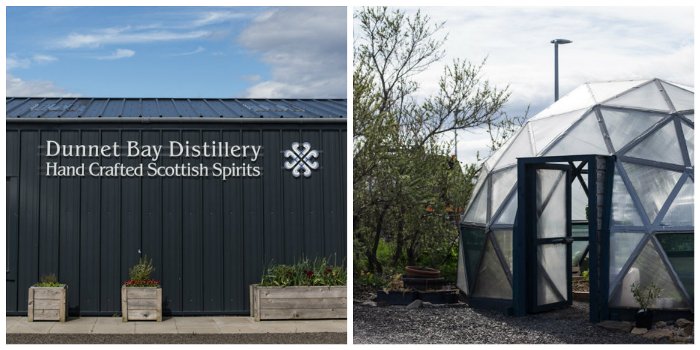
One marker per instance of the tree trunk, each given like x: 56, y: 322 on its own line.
x: 374, y: 264
x: 399, y: 240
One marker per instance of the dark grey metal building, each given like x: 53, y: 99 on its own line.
x: 209, y: 237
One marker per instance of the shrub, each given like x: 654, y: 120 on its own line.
x: 140, y: 274
x: 49, y: 280
x: 305, y: 273
x: 645, y: 297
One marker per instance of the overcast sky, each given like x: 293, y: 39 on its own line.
x: 608, y: 44
x: 177, y: 51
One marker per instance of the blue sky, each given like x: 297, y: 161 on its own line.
x: 176, y: 51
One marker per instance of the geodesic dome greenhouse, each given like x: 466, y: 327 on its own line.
x: 645, y: 128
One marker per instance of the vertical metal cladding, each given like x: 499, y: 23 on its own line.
x: 209, y: 239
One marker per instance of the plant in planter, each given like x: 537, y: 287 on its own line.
x: 645, y: 297
x: 142, y: 297
x: 395, y: 292
x: 305, y: 290
x: 47, y: 300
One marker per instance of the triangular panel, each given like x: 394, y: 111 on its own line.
x: 648, y: 268
x: 625, y: 125
x: 678, y: 248
x: 606, y: 90
x: 492, y: 281
x: 646, y: 96
x: 473, y: 245
x: 689, y: 134
x: 584, y: 138
x: 501, y: 184
x: 546, y: 130
x: 624, y: 212
x: 578, y: 98
x: 621, y: 246
x: 520, y: 147
x: 652, y: 185
x: 680, y: 213
x: 661, y: 145
x: 508, y: 214
x: 462, y: 270
x: 682, y: 99
x: 504, y: 239
x: 477, y: 210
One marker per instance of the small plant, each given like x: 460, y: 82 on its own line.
x: 645, y: 297
x: 140, y: 274
x: 318, y: 272
x: 585, y: 275
x: 395, y: 284
x: 49, y: 280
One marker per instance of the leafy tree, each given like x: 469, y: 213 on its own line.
x: 408, y: 191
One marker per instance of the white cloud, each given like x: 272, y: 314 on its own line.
x: 199, y: 49
x: 214, y: 17
x: 14, y: 62
x: 126, y: 35
x: 306, y: 51
x: 17, y: 87
x: 43, y: 58
x: 118, y: 54
x: 608, y: 44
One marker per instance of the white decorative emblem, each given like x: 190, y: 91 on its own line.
x: 301, y: 159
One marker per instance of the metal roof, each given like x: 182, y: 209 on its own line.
x: 156, y: 108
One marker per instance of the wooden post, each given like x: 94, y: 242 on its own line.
x: 30, y: 309
x: 125, y: 310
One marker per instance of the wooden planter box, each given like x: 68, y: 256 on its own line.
x: 142, y: 304
x: 47, y: 304
x: 285, y: 303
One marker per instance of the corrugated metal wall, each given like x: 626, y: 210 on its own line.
x: 209, y: 239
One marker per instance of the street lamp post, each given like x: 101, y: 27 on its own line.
x: 556, y: 43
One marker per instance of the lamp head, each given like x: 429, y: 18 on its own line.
x: 561, y: 41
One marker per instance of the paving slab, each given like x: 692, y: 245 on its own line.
x: 229, y: 325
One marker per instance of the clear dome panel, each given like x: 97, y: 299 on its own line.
x: 507, y: 216
x: 520, y: 147
x: 679, y: 250
x: 661, y: 145
x: 652, y: 185
x: 606, y: 90
x: 579, y: 200
x: 621, y: 246
x: 681, y: 99
x: 689, y: 134
x: 461, y: 270
x: 578, y: 98
x: 477, y: 210
x: 504, y: 239
x: 502, y: 183
x: 624, y: 212
x: 473, y: 240
x: 625, y: 125
x: 492, y: 281
x: 584, y: 138
x: 544, y: 131
x: 646, y: 96
x: 680, y: 213
x: 648, y: 268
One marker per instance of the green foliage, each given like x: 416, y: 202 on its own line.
x: 408, y: 188
x: 142, y: 270
x: 585, y: 274
x: 645, y: 297
x: 305, y: 273
x: 49, y: 280
x: 369, y: 279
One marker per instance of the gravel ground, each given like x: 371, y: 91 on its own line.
x: 461, y: 324
x: 278, y: 338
